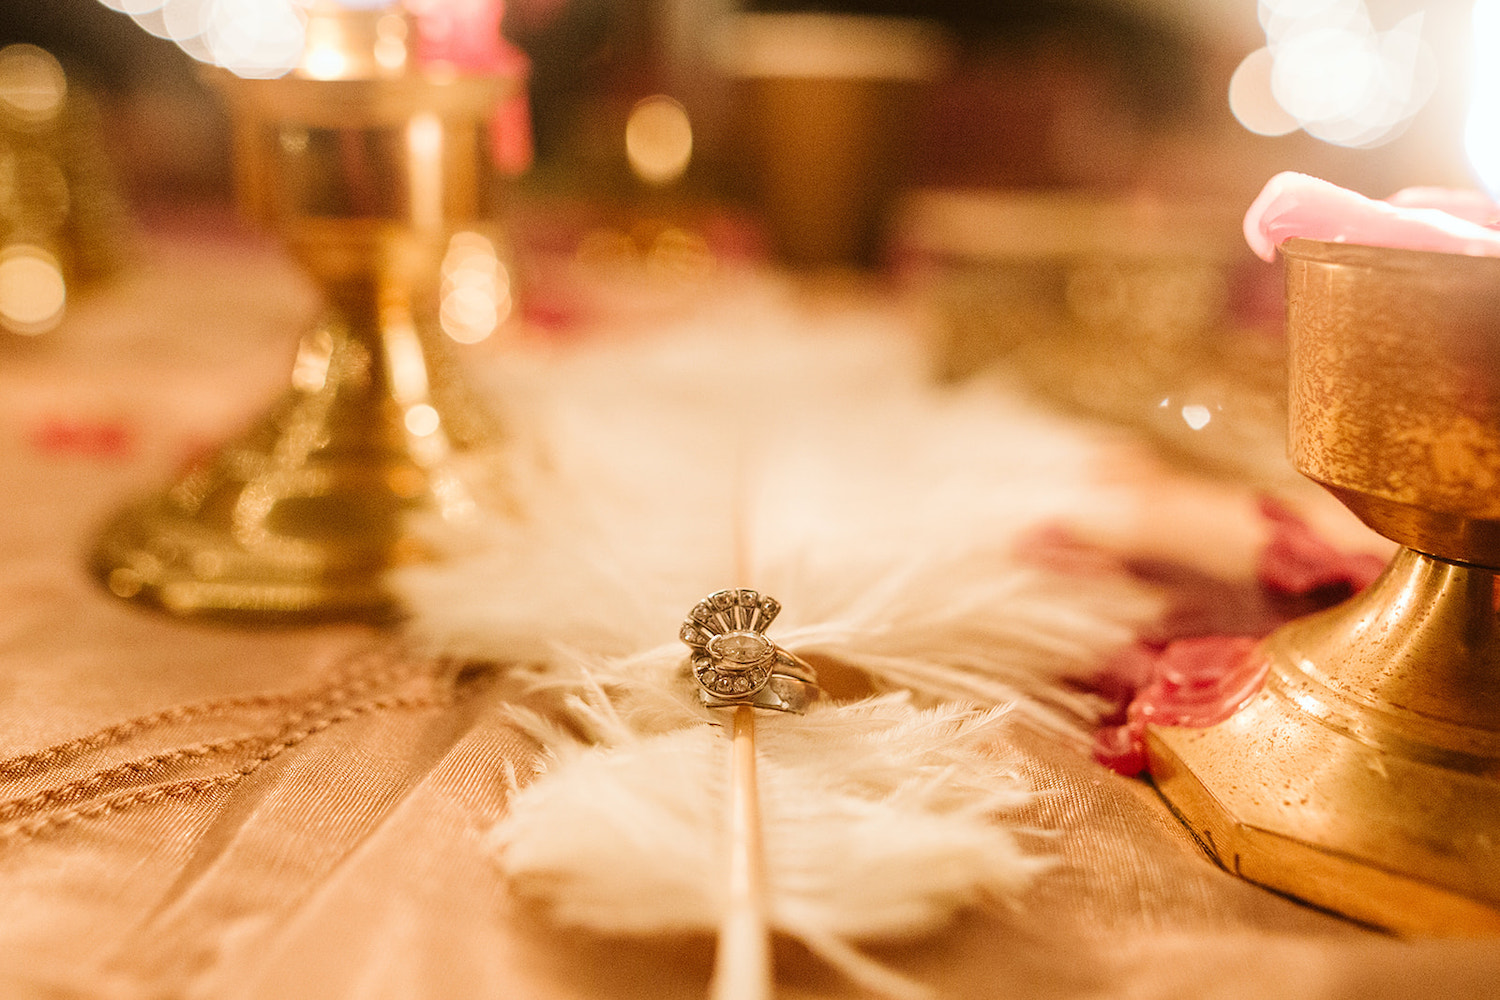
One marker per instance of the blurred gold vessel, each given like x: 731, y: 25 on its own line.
x: 1122, y: 309
x: 1365, y: 776
x: 371, y: 169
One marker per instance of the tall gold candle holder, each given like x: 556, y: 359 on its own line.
x: 366, y: 166
x: 1365, y: 776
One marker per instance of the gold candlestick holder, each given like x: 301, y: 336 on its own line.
x: 366, y: 166
x: 1365, y: 776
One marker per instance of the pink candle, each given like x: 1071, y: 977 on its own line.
x: 1447, y: 221
x: 465, y: 35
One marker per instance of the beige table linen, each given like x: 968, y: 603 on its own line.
x: 190, y: 810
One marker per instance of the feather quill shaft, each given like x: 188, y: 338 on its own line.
x: 743, y: 967
x: 742, y: 964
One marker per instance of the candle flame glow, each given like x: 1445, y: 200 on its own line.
x: 424, y: 144
x: 1482, y: 131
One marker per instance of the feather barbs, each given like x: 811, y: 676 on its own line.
x: 878, y: 824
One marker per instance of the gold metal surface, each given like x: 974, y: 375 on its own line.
x: 1365, y: 776
x: 1395, y: 390
x: 366, y: 179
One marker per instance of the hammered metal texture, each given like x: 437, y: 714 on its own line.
x: 1395, y: 390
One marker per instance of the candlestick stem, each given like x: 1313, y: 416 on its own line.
x: 369, y: 175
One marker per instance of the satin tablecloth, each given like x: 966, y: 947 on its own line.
x: 189, y: 810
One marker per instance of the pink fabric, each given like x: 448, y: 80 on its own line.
x: 1296, y: 562
x: 1475, y: 206
x: 1193, y: 682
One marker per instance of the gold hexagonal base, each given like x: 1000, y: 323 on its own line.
x: 1365, y: 777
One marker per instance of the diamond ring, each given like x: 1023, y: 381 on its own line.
x: 733, y: 661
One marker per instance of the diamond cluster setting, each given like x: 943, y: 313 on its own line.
x: 731, y: 658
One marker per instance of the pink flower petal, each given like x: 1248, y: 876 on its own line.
x: 1295, y: 205
x: 1476, y: 206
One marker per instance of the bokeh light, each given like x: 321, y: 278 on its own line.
x: 1482, y: 130
x: 1327, y: 70
x: 32, y: 84
x: 422, y: 420
x: 1251, y: 98
x: 659, y: 139
x: 390, y: 43
x: 476, y: 296
x: 263, y: 38
x: 256, y: 38
x: 1197, y: 416
x: 323, y: 55
x: 32, y: 290
x: 253, y: 38
x: 187, y: 19
x: 135, y: 8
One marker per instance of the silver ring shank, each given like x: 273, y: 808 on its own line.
x: 782, y: 693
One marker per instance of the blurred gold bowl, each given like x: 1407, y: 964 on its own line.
x: 1121, y: 309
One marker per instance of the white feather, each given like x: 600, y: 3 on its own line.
x: 742, y: 449
x: 879, y: 823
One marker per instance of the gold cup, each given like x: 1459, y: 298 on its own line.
x: 1365, y: 776
x: 367, y: 167
x: 829, y: 106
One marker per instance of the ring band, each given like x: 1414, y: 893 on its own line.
x: 733, y: 661
x: 780, y: 694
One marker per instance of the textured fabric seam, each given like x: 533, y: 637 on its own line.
x: 337, y: 690
x: 35, y: 825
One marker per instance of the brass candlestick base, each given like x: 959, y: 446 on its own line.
x: 301, y: 517
x: 1365, y: 776
x: 367, y: 176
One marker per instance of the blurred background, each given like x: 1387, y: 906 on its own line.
x: 1062, y: 180
x: 1105, y: 94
